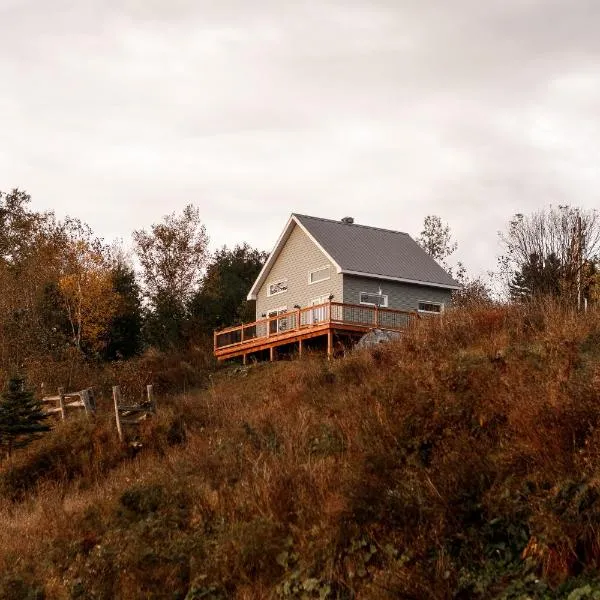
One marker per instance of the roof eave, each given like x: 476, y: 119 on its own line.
x: 402, y: 280
x: 293, y: 220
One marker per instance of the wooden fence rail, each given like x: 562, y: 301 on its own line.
x: 64, y: 402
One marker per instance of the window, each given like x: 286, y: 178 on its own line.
x: 277, y: 287
x: 430, y: 307
x: 317, y: 275
x: 374, y: 299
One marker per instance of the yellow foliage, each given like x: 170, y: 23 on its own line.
x: 90, y: 300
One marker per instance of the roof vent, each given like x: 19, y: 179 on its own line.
x: 348, y: 220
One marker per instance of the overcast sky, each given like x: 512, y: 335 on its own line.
x: 120, y: 111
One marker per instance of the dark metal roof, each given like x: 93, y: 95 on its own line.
x: 373, y: 252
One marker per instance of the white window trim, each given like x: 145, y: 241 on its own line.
x: 372, y: 303
x: 273, y: 283
x: 328, y: 267
x: 431, y: 312
x: 320, y: 300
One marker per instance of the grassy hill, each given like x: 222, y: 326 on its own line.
x: 460, y: 462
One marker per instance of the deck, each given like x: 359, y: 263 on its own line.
x: 332, y: 319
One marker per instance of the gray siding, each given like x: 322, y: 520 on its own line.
x: 298, y: 256
x: 404, y: 296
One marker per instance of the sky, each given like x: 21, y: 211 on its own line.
x: 121, y: 111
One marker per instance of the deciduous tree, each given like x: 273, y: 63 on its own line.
x: 554, y: 251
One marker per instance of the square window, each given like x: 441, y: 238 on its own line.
x: 374, y: 299
x: 430, y: 307
x: 317, y: 275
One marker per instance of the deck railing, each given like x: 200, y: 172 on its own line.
x: 314, y: 316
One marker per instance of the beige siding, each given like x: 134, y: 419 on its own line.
x: 403, y: 296
x: 298, y: 256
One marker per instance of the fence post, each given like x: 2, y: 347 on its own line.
x: 61, y: 402
x: 151, y: 399
x: 117, y: 398
x: 86, y: 398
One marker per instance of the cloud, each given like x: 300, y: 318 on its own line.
x: 121, y: 112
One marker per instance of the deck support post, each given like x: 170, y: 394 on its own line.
x: 329, y: 344
x: 300, y: 347
x: 272, y: 353
x: 244, y: 359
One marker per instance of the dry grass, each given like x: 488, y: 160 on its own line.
x: 460, y: 462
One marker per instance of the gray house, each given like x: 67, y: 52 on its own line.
x: 316, y: 260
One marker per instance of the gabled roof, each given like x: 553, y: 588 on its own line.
x: 363, y: 250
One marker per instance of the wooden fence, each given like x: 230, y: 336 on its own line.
x: 65, y: 402
x: 132, y: 414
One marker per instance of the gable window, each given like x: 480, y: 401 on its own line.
x: 317, y: 275
x: 430, y: 307
x: 277, y: 287
x: 374, y: 299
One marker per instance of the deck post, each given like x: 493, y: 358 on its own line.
x: 215, y: 339
x: 298, y: 319
x: 300, y: 347
x: 375, y: 316
x: 242, y: 334
x: 244, y: 359
x: 329, y: 344
x: 272, y: 353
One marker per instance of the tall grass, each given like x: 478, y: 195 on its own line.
x: 462, y: 461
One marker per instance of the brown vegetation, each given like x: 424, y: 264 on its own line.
x: 460, y: 462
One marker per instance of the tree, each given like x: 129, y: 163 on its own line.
x: 562, y: 244
x: 17, y: 226
x: 473, y: 292
x: 172, y: 255
x: 125, y: 329
x: 21, y: 416
x: 436, y: 239
x: 537, y: 277
x: 221, y: 300
x: 86, y: 286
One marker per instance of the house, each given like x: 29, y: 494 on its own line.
x: 337, y: 279
x: 315, y: 259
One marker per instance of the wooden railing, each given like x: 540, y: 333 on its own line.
x: 309, y: 317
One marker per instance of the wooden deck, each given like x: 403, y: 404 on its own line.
x: 332, y: 319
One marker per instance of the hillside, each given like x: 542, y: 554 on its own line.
x: 460, y: 462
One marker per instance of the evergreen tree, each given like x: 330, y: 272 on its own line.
x: 125, y: 331
x: 21, y: 416
x: 221, y: 300
x: 537, y: 277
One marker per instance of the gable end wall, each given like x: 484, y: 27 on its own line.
x: 298, y: 256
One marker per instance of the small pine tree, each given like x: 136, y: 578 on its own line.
x: 21, y: 416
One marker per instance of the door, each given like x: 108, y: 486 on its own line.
x: 319, y: 314
x: 277, y: 325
